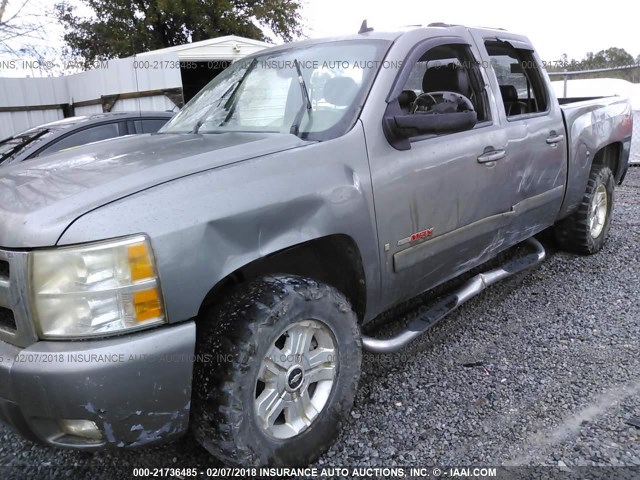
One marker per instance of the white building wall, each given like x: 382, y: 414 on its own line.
x: 127, y: 75
x: 230, y: 48
x: 17, y: 92
x: 116, y: 77
x: 124, y: 75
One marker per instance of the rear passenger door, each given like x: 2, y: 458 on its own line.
x: 536, y: 143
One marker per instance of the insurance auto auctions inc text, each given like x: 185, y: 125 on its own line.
x: 375, y: 472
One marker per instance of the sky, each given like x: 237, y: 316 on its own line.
x: 554, y: 27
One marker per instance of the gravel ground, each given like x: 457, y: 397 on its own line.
x: 542, y: 369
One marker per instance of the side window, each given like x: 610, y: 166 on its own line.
x: 448, y: 68
x: 521, y: 83
x: 88, y: 135
x: 150, y: 125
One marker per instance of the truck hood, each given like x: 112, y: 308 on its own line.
x: 39, y: 199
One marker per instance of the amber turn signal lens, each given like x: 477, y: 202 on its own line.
x: 147, y: 304
x: 140, y: 262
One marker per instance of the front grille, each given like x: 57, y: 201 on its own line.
x: 7, y: 320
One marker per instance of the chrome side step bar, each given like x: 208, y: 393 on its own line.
x: 447, y: 305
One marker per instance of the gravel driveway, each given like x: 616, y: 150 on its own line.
x: 541, y: 369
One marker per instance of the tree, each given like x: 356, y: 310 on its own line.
x: 121, y: 28
x: 611, y: 57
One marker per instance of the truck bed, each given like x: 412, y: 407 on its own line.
x: 569, y: 100
x: 590, y: 124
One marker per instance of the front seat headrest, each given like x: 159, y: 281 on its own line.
x: 450, y: 77
x: 407, y: 97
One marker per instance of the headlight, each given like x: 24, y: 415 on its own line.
x: 95, y: 289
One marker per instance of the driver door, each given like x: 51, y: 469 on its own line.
x: 440, y: 204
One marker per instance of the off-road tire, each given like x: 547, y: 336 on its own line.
x: 236, y: 336
x: 574, y: 232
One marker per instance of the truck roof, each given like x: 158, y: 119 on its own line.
x: 431, y: 29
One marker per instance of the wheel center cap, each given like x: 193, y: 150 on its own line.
x: 295, y: 376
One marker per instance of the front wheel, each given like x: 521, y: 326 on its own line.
x: 586, y: 230
x: 285, y: 356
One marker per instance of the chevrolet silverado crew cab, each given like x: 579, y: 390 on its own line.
x: 215, y: 276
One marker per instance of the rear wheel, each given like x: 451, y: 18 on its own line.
x: 286, y: 355
x: 586, y: 230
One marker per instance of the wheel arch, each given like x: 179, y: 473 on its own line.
x: 332, y: 259
x: 610, y: 156
x: 581, y: 166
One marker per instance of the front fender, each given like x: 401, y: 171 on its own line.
x: 207, y: 225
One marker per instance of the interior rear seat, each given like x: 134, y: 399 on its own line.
x: 512, y: 105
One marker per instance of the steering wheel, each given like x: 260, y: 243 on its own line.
x: 425, y: 102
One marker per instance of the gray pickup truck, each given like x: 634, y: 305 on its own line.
x: 215, y: 276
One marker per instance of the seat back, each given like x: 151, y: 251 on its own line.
x: 405, y: 99
x: 449, y: 78
x: 512, y: 104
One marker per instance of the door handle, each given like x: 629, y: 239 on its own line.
x: 492, y: 156
x: 554, y: 139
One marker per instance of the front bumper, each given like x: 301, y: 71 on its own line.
x: 136, y: 388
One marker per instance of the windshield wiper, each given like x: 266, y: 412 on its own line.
x: 24, y: 141
x: 208, y: 112
x: 235, y: 87
x: 306, y: 102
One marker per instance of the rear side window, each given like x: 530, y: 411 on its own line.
x: 521, y: 82
x: 88, y: 135
x: 150, y: 125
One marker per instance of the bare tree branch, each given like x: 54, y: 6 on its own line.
x: 3, y: 7
x: 20, y: 25
x: 25, y: 34
x: 16, y: 15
